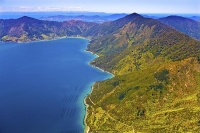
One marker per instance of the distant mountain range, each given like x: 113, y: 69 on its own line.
x: 156, y: 63
x: 197, y: 18
x: 28, y: 29
x: 185, y: 25
x: 95, y: 18
x: 158, y: 16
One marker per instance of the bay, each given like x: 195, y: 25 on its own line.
x: 43, y: 86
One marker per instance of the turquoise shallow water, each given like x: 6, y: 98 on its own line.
x: 43, y: 85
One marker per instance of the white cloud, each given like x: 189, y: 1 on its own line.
x: 37, y: 9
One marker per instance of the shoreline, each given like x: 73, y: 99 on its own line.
x: 103, y: 70
x: 81, y: 37
x: 46, y: 40
x: 87, y: 128
x: 96, y: 66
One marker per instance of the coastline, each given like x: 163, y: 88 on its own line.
x: 87, y: 128
x: 46, y: 40
x: 96, y: 66
x: 78, y: 37
x: 103, y: 70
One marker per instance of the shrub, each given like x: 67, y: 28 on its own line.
x: 162, y: 75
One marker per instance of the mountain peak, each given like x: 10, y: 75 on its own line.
x: 185, y: 25
x: 25, y: 18
x: 133, y: 15
x: 128, y: 18
x: 174, y: 17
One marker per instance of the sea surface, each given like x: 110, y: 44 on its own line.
x: 43, y: 86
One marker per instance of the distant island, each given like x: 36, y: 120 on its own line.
x: 156, y: 63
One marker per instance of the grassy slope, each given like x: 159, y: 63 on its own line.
x: 140, y: 100
x: 156, y: 87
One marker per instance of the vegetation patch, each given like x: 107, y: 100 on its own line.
x: 162, y: 75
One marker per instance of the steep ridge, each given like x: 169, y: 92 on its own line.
x: 107, y: 28
x: 185, y: 25
x: 156, y: 85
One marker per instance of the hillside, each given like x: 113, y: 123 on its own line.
x: 25, y: 29
x: 156, y: 84
x: 156, y: 87
x: 185, y: 25
x: 100, y: 30
x: 197, y: 18
x: 28, y: 29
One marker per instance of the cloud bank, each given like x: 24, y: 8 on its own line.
x: 39, y: 9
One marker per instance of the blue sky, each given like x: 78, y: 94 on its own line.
x: 109, y: 6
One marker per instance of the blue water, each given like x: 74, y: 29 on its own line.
x: 43, y: 85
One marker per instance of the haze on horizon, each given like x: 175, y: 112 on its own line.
x: 108, y: 6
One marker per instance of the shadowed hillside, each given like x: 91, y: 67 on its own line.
x: 185, y: 25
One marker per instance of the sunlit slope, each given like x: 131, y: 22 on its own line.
x: 26, y: 29
x: 156, y: 84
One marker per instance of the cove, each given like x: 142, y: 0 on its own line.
x: 43, y: 86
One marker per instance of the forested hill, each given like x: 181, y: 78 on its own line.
x: 156, y: 87
x: 185, y: 25
x: 26, y: 29
x: 107, y: 28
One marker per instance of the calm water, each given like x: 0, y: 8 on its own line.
x: 43, y: 85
